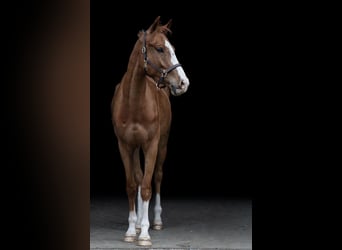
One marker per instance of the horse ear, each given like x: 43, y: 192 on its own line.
x: 169, y: 23
x: 154, y: 25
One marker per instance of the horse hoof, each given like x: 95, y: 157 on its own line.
x: 157, y: 226
x: 144, y: 242
x: 129, y: 238
x: 138, y: 230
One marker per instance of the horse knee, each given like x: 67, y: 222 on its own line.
x: 146, y: 193
x: 131, y: 190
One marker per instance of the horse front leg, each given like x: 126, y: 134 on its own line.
x: 131, y: 188
x: 150, y: 153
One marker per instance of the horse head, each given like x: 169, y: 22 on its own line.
x: 160, y: 61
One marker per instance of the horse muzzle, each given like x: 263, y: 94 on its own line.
x: 179, y: 88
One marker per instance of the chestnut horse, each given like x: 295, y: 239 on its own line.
x: 141, y: 116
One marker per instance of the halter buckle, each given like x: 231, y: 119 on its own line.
x: 163, y: 73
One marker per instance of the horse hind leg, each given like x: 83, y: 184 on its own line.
x: 158, y: 175
x: 138, y: 178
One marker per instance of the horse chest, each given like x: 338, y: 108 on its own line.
x: 145, y: 113
x: 138, y: 124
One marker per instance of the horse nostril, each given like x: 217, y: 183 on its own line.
x: 182, y: 84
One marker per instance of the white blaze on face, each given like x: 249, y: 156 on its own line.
x: 174, y: 61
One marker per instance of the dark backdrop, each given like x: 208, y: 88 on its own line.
x: 224, y: 128
x: 239, y: 131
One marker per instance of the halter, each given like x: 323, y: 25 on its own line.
x: 163, y: 72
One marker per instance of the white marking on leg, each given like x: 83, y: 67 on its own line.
x: 145, y: 223
x: 157, y: 211
x: 174, y: 61
x: 139, y: 208
x: 132, y: 219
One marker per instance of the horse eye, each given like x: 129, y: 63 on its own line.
x: 160, y: 49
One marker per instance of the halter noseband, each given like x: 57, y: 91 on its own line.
x: 163, y: 72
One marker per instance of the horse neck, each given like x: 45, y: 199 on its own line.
x: 134, y: 84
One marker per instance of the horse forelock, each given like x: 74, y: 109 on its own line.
x: 161, y: 29
x: 165, y: 30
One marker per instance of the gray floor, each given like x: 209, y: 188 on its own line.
x: 188, y: 224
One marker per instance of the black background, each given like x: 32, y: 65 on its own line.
x: 225, y: 128
x: 241, y: 130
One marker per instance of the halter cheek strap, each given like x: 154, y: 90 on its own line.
x: 163, y: 72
